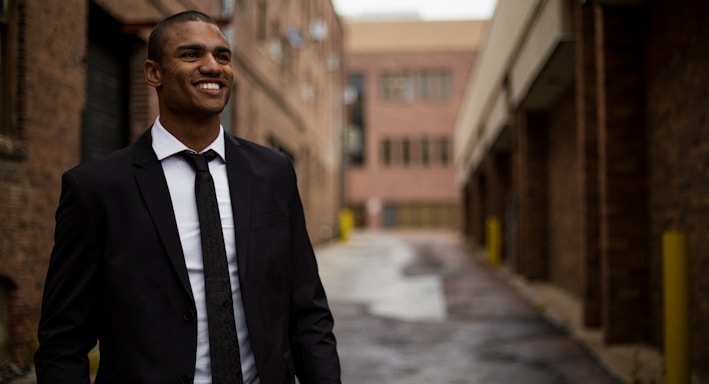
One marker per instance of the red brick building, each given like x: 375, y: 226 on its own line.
x: 72, y: 89
x: 406, y: 81
x: 585, y: 131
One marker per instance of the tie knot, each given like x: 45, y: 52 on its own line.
x: 199, y: 161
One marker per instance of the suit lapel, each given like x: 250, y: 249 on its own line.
x: 151, y: 181
x: 239, y: 175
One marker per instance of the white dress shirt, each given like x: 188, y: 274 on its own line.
x: 180, y: 180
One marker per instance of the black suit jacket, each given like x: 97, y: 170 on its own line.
x: 117, y: 274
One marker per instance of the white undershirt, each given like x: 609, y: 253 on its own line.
x: 180, y: 180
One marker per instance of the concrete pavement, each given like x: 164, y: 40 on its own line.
x: 415, y: 308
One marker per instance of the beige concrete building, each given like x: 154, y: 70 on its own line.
x: 406, y: 79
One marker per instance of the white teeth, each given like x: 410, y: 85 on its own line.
x: 208, y: 86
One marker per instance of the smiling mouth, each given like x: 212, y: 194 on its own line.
x: 209, y: 86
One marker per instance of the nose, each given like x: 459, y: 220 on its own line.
x: 210, y: 64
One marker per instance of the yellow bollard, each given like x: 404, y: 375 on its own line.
x: 493, y: 243
x: 346, y: 220
x: 676, y: 306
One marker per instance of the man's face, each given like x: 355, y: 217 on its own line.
x: 194, y: 76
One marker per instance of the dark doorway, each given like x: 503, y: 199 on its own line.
x: 105, y: 119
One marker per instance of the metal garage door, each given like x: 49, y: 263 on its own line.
x: 105, y: 119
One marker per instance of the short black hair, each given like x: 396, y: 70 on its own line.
x: 157, y: 36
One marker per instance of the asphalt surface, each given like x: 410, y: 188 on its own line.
x: 419, y: 308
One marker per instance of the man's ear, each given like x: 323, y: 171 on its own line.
x: 153, y: 74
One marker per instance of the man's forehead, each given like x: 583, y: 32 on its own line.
x: 194, y: 31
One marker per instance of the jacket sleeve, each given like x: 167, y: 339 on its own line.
x: 67, y: 329
x: 312, y: 340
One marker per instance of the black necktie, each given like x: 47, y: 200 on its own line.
x: 223, y: 341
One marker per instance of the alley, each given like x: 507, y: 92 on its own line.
x: 416, y: 308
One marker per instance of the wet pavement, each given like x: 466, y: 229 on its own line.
x: 418, y: 308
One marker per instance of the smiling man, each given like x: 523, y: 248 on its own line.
x: 185, y: 255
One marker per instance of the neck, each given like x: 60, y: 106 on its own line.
x: 195, y: 133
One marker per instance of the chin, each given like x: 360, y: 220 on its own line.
x: 210, y: 111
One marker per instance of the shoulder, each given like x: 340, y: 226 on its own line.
x: 113, y: 160
x: 114, y: 168
x: 119, y: 163
x: 259, y: 156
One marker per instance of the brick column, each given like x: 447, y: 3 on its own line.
x: 587, y: 149
x: 497, y: 169
x: 466, y: 210
x: 477, y: 211
x: 624, y: 233
x: 530, y: 176
x: 471, y: 207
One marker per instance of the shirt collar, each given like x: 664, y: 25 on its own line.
x: 166, y: 145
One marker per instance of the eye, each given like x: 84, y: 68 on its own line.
x: 223, y: 58
x: 190, y: 55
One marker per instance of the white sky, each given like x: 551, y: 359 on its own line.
x: 426, y: 9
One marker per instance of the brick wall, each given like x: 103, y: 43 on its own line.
x: 530, y: 186
x: 270, y: 105
x: 51, y: 78
x: 587, y: 147
x: 642, y: 143
x: 414, y: 120
x: 497, y: 169
x: 50, y: 95
x: 623, y: 186
x: 565, y: 262
x: 678, y: 149
x: 497, y: 196
x: 476, y: 208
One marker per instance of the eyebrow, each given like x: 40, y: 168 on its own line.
x: 223, y: 50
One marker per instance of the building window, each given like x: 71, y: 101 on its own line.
x: 397, y: 87
x: 425, y: 152
x: 434, y: 85
x: 406, y: 152
x: 444, y: 151
x: 422, y: 152
x: 356, y: 129
x: 423, y: 85
x: 386, y: 152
